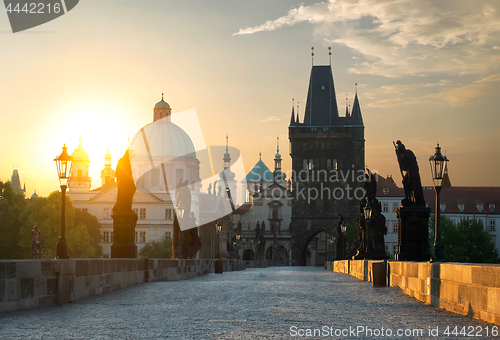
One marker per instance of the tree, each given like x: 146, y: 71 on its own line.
x: 159, y: 249
x: 466, y: 242
x: 12, y: 204
x: 82, y: 229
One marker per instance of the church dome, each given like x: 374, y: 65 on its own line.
x: 162, y: 104
x: 164, y: 139
x: 80, y: 154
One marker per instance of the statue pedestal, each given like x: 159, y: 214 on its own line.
x: 223, y: 247
x: 413, y: 234
x: 124, y: 235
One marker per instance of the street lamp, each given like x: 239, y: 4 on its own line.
x: 368, y: 211
x: 179, y: 215
x: 438, y: 164
x: 218, y: 228
x: 343, y: 227
x: 63, y: 163
x: 238, y: 236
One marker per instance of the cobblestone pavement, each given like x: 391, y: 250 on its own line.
x: 251, y: 304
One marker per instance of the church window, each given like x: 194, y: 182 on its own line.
x: 106, y: 212
x: 385, y: 207
x: 169, y: 214
x: 248, y: 196
x: 142, y: 213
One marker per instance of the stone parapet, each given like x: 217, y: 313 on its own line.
x: 463, y: 288
x: 28, y: 284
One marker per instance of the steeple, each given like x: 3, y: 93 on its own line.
x: 297, y: 121
x: 15, y: 182
x: 446, y: 177
x: 278, y: 174
x: 347, y: 117
x: 227, y: 156
x: 107, y: 174
x: 79, y: 176
x: 321, y: 106
x: 161, y: 110
x: 292, y: 119
x: 356, y: 117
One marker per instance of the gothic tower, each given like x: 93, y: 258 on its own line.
x: 328, y: 160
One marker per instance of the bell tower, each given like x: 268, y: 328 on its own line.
x: 79, y: 179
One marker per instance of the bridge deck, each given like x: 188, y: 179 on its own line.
x: 251, y: 304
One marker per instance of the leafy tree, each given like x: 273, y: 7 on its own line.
x: 351, y: 234
x: 82, y: 229
x: 12, y: 204
x: 159, y: 249
x: 466, y: 242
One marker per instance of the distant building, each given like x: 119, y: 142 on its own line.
x: 455, y: 202
x: 166, y: 146
x: 15, y: 182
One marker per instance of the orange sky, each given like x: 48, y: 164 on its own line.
x: 98, y: 71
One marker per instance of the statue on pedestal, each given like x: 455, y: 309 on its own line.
x: 411, y: 176
x: 124, y: 219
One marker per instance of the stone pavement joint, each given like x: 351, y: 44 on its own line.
x: 274, y: 302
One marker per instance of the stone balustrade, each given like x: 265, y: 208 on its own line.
x: 28, y: 284
x: 463, y: 288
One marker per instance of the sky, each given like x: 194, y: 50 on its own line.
x: 426, y: 73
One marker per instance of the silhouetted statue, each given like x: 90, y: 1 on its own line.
x: 125, y: 185
x: 411, y: 176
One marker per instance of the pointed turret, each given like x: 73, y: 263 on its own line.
x: 356, y: 117
x: 15, y: 182
x: 321, y: 106
x: 292, y: 119
x: 446, y: 177
x: 278, y: 174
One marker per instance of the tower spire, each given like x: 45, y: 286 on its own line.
x: 292, y: 119
x: 227, y: 156
x: 298, y: 113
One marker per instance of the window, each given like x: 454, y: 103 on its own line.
x: 385, y: 207
x: 492, y: 225
x: 106, y: 212
x: 169, y: 214
x: 142, y: 213
x: 105, y: 256
x: 168, y: 234
x: 395, y: 228
x: 142, y: 236
x: 461, y: 207
x: 305, y: 165
x: 105, y: 236
x: 386, y: 247
x: 395, y: 207
x: 442, y: 206
x: 492, y: 207
x: 85, y: 209
x: 386, y: 191
x: 479, y: 207
x: 112, y: 237
x: 136, y: 236
x: 136, y: 211
x: 394, y: 249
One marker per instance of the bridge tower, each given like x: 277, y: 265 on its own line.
x: 328, y: 160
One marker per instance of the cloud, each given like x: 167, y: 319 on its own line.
x: 404, y: 37
x: 272, y: 119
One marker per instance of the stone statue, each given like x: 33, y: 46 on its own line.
x: 411, y: 176
x: 125, y: 185
x: 183, y: 197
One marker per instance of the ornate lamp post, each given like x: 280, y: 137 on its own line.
x: 63, y: 163
x: 368, y: 215
x: 344, y: 243
x: 237, y: 246
x: 438, y: 164
x: 179, y: 215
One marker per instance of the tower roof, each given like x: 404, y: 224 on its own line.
x: 356, y: 117
x: 80, y: 153
x: 162, y: 104
x: 258, y: 172
x: 321, y: 106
